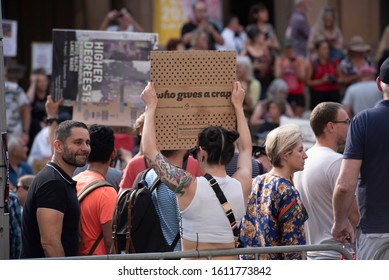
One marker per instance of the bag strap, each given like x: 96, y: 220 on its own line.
x: 91, y: 187
x: 84, y: 193
x: 146, y: 162
x: 175, y: 241
x: 155, y: 184
x: 115, y: 217
x: 224, y: 203
x: 98, y: 240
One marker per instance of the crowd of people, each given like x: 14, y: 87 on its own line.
x: 280, y: 194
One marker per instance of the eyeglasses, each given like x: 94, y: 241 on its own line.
x: 348, y: 121
x: 193, y: 152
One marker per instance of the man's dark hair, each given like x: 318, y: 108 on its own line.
x: 102, y: 143
x: 253, y: 32
x: 229, y: 19
x: 319, y: 42
x: 219, y: 144
x: 322, y: 114
x: 254, y: 10
x: 173, y: 43
x: 64, y: 129
x: 194, y: 5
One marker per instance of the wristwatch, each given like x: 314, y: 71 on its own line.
x: 51, y: 120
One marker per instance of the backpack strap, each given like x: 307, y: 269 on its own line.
x: 224, y: 203
x: 84, y: 193
x: 91, y: 187
x: 98, y: 240
x: 114, y: 246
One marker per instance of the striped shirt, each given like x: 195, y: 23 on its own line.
x: 165, y: 203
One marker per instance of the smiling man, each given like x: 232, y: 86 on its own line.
x: 51, y: 213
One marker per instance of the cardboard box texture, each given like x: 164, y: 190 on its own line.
x: 194, y: 91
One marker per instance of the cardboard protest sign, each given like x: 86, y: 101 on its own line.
x: 102, y: 74
x: 194, y: 91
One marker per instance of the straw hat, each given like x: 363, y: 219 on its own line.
x: 357, y: 44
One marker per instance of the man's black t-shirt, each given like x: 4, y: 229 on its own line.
x: 52, y: 188
x: 190, y: 27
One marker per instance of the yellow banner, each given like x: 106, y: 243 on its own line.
x: 168, y: 19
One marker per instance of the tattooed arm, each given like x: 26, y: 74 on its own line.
x: 172, y: 176
x: 175, y: 178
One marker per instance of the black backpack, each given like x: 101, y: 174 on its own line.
x: 135, y: 224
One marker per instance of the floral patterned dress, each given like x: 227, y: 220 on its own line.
x: 275, y: 216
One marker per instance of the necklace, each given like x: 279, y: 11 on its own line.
x: 96, y: 171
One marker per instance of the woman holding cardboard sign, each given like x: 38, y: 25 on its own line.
x: 206, y: 224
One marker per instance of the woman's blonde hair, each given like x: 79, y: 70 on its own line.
x: 281, y: 141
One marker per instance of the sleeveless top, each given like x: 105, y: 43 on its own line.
x: 319, y: 70
x: 204, y: 220
x: 289, y: 75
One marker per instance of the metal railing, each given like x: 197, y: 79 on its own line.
x: 217, y: 253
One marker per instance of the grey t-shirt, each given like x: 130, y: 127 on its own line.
x: 361, y: 96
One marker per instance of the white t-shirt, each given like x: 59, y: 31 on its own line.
x: 204, y: 220
x: 41, y: 148
x: 231, y: 41
x: 316, y: 184
x: 130, y: 28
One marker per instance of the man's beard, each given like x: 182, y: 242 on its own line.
x: 71, y: 159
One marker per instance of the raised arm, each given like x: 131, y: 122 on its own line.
x: 108, y: 18
x: 52, y: 115
x: 177, y: 179
x: 215, y: 34
x: 278, y: 68
x: 244, y: 170
x: 32, y: 88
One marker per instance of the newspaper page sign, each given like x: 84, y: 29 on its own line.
x: 42, y: 56
x: 194, y: 91
x: 102, y: 73
x: 10, y: 33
